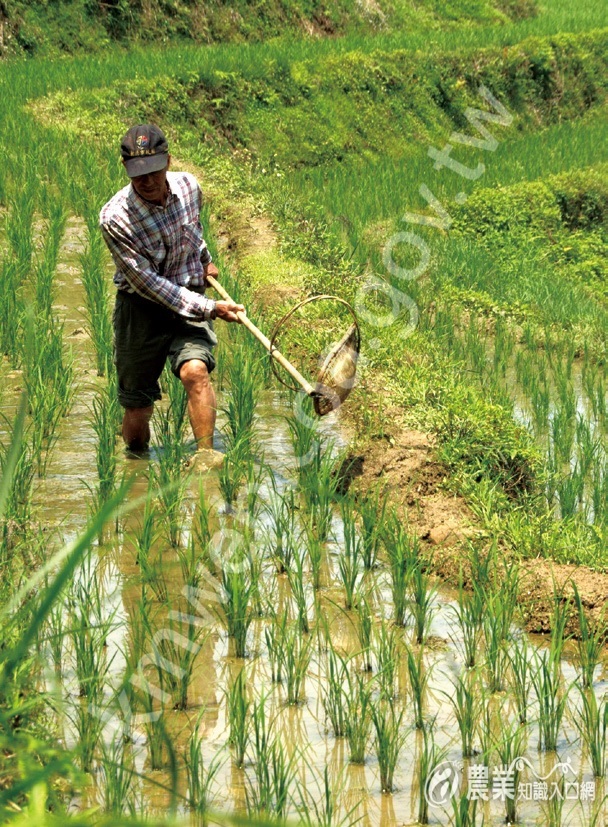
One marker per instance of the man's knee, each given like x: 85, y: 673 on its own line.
x: 194, y: 374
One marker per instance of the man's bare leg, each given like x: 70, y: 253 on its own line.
x: 201, y: 401
x: 136, y: 428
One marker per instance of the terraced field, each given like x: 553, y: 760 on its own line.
x: 394, y: 615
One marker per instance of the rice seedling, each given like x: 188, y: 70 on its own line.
x: 358, y: 722
x: 17, y: 514
x: 464, y: 811
x: 421, y: 602
x: 274, y: 634
x: 97, y: 301
x: 118, y: 773
x: 559, y: 622
x: 48, y: 375
x: 372, y: 510
x: 365, y: 625
x: 590, y: 642
x: 592, y: 723
x: 19, y: 227
x: 386, y: 651
x: 314, y: 550
x: 271, y: 796
x: 553, y: 809
x: 282, y: 509
x: 401, y: 566
x: 295, y: 656
x: 155, y: 729
x: 510, y: 747
x: 419, y: 678
x: 168, y: 476
x: 348, y: 560
x: 430, y: 757
x: 55, y: 634
x: 233, y: 471
x: 88, y: 725
x: 320, y: 484
x: 333, y: 695
x: 520, y: 677
x: 103, y: 422
x: 200, y: 778
x: 304, y: 439
x: 175, y: 649
x: 11, y: 311
x: 469, y: 616
x: 322, y: 810
x: 500, y: 608
x: 88, y: 632
x: 551, y: 700
x: 467, y: 700
x: 244, y: 380
x: 238, y: 710
x: 46, y: 267
x: 235, y: 602
x: 389, y: 742
x: 298, y: 590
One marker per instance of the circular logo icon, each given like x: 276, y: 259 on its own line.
x: 442, y: 784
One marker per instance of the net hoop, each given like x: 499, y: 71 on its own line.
x: 322, y: 395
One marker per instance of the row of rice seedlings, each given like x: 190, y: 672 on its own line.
x: 97, y: 300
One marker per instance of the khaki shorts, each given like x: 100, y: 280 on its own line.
x: 146, y: 334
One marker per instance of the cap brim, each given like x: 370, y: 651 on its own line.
x: 145, y: 164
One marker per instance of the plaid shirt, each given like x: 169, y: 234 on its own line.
x: 159, y: 251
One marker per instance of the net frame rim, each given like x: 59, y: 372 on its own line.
x: 289, y: 314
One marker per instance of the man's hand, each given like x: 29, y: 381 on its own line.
x: 210, y: 270
x: 228, y: 310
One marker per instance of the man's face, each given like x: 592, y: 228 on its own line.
x: 153, y: 186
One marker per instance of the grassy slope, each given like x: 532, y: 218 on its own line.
x: 286, y: 115
x: 40, y: 27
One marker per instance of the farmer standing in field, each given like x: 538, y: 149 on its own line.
x: 153, y: 230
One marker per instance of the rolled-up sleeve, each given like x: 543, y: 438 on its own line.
x: 145, y: 279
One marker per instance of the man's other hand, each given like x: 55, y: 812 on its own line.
x: 210, y: 270
x: 227, y: 310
